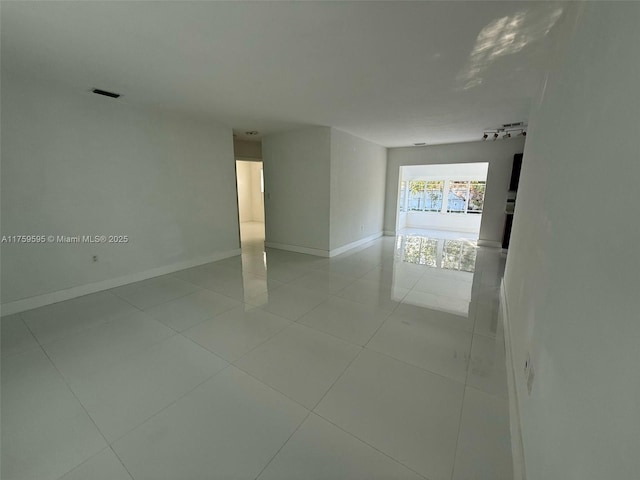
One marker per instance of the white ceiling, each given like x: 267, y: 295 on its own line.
x: 391, y: 72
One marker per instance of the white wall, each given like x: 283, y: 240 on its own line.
x: 402, y: 221
x: 246, y: 150
x: 250, y: 201
x: 324, y: 189
x: 358, y: 171
x: 498, y: 154
x: 257, y: 195
x: 76, y: 163
x: 440, y: 221
x: 245, y: 204
x: 572, y: 277
x: 296, y: 175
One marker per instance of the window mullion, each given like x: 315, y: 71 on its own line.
x: 424, y: 197
x: 466, y: 202
x: 445, y: 196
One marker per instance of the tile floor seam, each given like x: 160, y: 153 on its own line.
x: 79, y: 403
x: 270, y: 386
x: 338, y: 378
x: 248, y: 351
x: 121, y: 462
x: 414, y: 366
x: 108, y: 447
x: 85, y: 329
x: 119, y: 361
x: 387, y: 318
x: 264, y: 308
x: 327, y: 333
x: 370, y: 445
x: 201, y: 321
x: 82, y: 463
x: 464, y: 393
x: 28, y: 349
x: 455, y: 451
x: 328, y: 293
x: 111, y: 291
x: 330, y: 334
x: 122, y: 358
x: 169, y: 405
x: 101, y: 324
x: 283, y: 445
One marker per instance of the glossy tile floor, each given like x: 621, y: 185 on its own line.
x: 383, y: 363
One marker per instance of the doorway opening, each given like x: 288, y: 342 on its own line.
x: 250, y: 184
x: 445, y: 199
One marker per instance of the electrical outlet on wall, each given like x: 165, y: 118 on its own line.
x: 94, y: 258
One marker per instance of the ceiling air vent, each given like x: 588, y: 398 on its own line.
x: 105, y: 93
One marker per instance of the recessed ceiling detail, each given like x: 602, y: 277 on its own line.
x: 105, y: 93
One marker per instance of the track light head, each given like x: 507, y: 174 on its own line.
x: 506, y: 131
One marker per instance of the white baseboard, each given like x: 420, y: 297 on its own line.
x: 295, y: 248
x: 352, y: 245
x: 517, y: 444
x: 489, y: 243
x: 324, y: 253
x: 73, y: 292
x: 442, y: 228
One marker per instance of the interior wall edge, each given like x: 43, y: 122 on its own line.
x: 515, y: 422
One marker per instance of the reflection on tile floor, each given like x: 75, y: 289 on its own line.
x: 386, y: 362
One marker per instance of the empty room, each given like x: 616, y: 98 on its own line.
x: 328, y: 240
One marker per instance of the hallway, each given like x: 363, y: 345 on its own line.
x: 252, y: 237
x: 386, y: 362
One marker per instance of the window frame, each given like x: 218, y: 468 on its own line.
x: 446, y: 190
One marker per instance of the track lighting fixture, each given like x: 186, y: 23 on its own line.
x: 506, y: 130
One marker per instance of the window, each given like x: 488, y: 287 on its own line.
x: 463, y: 196
x: 425, y: 196
x: 416, y: 195
x: 466, y: 196
x: 433, y: 196
x: 476, y: 197
x: 457, y: 198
